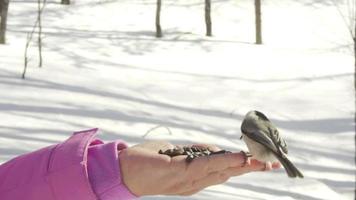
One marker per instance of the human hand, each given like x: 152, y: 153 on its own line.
x: 146, y: 172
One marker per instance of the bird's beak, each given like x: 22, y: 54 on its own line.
x: 241, y: 137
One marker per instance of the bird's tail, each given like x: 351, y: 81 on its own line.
x: 290, y: 168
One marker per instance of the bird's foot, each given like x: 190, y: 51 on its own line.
x: 247, y: 156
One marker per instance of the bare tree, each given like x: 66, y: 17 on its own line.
x: 28, y: 40
x: 349, y: 17
x: 4, y: 7
x: 347, y: 11
x: 258, y: 21
x: 65, y: 2
x: 158, y: 19
x: 38, y: 24
x: 208, y: 18
x: 39, y: 19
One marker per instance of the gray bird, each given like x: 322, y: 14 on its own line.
x: 265, y: 143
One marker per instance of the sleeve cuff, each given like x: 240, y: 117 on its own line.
x: 104, y: 171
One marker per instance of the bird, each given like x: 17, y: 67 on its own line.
x: 265, y: 143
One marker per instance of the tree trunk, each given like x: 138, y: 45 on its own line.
x: 4, y: 6
x: 40, y: 9
x: 66, y: 2
x: 208, y: 18
x: 158, y: 19
x: 354, y: 39
x: 28, y: 40
x: 258, y: 21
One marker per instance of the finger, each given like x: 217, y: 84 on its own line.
x: 202, y: 166
x: 258, y: 165
x: 276, y: 165
x: 211, y: 147
x: 236, y: 171
x: 254, y: 165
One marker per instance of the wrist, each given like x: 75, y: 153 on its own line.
x: 105, y: 173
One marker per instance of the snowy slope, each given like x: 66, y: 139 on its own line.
x: 104, y: 68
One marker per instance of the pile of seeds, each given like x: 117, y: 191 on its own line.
x: 191, y: 152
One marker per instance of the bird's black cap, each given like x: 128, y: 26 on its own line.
x: 261, y: 115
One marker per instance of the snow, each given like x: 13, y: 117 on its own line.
x: 104, y: 68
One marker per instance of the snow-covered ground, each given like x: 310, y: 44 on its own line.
x: 104, y: 68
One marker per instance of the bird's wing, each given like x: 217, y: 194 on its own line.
x: 261, y: 138
x: 278, y: 141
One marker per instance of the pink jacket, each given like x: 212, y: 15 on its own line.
x: 80, y: 168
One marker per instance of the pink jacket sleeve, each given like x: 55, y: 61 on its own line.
x: 61, y: 172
